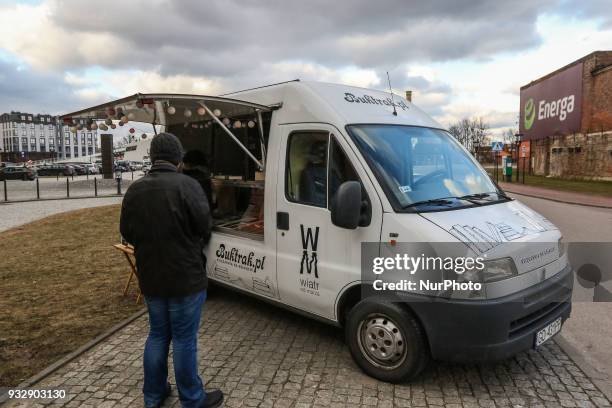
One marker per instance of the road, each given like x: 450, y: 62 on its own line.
x: 589, y: 330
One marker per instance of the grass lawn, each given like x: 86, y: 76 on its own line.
x: 62, y: 285
x: 603, y: 188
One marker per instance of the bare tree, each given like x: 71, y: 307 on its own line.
x: 508, y: 136
x: 470, y: 132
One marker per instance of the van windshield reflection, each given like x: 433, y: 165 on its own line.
x: 423, y: 169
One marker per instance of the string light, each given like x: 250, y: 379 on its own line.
x: 226, y: 121
x: 237, y: 124
x: 187, y: 113
x: 171, y: 110
x: 251, y: 124
x: 201, y: 111
x: 217, y: 112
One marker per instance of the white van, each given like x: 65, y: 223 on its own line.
x: 305, y: 173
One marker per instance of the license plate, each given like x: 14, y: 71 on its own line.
x: 547, y: 332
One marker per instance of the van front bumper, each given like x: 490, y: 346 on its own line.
x: 488, y: 330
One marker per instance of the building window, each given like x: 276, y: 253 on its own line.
x: 42, y: 141
x: 51, y: 142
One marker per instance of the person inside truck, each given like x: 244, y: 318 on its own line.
x: 195, y: 165
x: 313, y: 178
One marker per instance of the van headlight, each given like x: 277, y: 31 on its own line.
x: 499, y: 269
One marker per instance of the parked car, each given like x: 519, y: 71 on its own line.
x: 56, y: 170
x: 79, y: 169
x: 136, y: 165
x: 17, y: 173
x: 91, y: 168
x: 121, y: 166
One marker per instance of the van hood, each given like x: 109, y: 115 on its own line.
x: 503, y: 222
x: 505, y: 229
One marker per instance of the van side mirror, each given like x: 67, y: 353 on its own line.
x: 346, y: 205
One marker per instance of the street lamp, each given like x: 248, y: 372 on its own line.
x: 517, y: 140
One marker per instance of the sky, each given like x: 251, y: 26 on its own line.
x: 461, y: 59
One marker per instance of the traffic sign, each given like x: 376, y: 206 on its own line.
x: 497, y: 146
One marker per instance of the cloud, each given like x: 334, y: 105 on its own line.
x: 460, y: 58
x: 231, y: 37
x: 30, y: 91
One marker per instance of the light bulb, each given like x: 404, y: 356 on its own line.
x: 237, y: 124
x: 201, y: 111
x: 251, y: 124
x: 226, y: 121
x: 171, y: 110
x: 217, y: 112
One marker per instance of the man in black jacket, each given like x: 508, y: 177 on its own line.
x: 165, y: 215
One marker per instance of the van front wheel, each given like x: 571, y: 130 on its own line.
x: 386, y: 341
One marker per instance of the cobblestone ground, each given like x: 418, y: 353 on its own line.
x: 260, y: 355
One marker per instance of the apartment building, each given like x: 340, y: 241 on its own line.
x: 27, y: 136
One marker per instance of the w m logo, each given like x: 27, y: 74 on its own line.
x: 309, y: 247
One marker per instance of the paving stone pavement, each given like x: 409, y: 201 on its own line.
x: 260, y: 355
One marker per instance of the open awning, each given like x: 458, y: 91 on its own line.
x: 171, y: 109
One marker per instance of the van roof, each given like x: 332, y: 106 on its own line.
x: 300, y: 101
x: 311, y: 101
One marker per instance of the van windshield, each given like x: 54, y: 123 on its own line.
x: 423, y: 168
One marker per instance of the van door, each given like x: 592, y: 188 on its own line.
x: 315, y: 259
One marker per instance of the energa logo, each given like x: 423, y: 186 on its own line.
x: 529, y: 114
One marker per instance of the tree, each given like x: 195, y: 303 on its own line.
x: 508, y: 136
x: 470, y: 132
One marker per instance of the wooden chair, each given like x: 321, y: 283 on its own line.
x: 128, y: 251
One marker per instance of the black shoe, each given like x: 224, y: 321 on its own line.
x: 164, y: 398
x: 213, y: 399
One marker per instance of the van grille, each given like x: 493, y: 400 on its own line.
x: 533, y: 319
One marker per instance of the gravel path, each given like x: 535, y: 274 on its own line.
x: 12, y: 215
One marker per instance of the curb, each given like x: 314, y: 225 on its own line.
x: 560, y: 201
x: 73, y: 355
x: 601, y: 380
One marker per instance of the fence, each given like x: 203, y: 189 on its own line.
x: 62, y: 187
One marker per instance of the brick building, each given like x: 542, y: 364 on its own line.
x: 566, y: 118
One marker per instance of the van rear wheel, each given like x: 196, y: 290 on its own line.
x: 386, y: 341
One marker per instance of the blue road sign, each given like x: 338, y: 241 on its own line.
x: 497, y: 146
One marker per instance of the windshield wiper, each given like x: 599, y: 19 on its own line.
x: 434, y: 201
x: 481, y: 196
